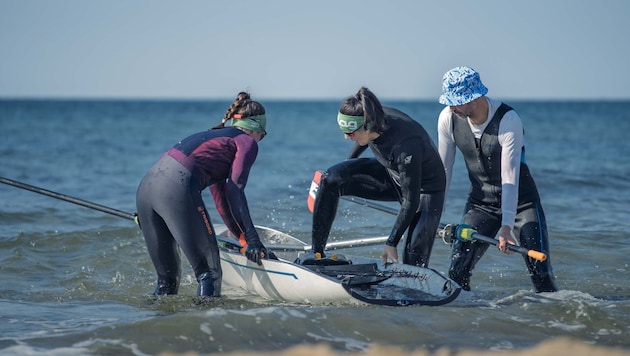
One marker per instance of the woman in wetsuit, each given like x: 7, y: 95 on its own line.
x: 172, y: 214
x: 406, y: 167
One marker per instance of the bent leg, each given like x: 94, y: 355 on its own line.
x: 465, y: 255
x: 361, y: 177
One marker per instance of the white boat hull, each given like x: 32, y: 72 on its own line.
x: 283, y: 280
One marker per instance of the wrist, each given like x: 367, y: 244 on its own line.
x: 391, y: 242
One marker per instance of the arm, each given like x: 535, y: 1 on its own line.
x: 356, y: 151
x: 446, y: 145
x: 246, y: 153
x: 218, y: 191
x: 408, y: 157
x: 512, y: 143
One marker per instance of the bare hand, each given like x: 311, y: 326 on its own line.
x: 506, y: 237
x: 389, y: 252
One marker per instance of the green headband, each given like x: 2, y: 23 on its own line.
x: 349, y: 124
x: 253, y: 123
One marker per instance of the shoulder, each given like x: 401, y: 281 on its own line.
x: 396, y: 115
x: 445, y: 120
x: 244, y: 138
x: 399, y: 119
x: 511, y: 120
x: 493, y: 106
x: 446, y: 113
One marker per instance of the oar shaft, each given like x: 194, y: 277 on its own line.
x: 531, y: 253
x: 69, y: 199
x: 367, y: 241
x: 370, y: 204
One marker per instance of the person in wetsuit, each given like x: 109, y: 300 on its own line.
x: 503, y: 200
x: 171, y: 211
x: 406, y: 168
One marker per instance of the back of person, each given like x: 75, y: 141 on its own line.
x: 172, y: 213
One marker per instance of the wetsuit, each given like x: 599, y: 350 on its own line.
x: 171, y: 211
x: 502, y: 191
x: 407, y: 168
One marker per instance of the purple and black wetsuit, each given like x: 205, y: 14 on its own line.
x: 171, y: 211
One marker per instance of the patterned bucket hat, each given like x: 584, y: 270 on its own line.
x: 461, y: 85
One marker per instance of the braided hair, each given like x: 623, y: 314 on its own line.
x: 243, y: 106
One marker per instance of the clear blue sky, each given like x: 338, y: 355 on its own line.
x: 540, y: 49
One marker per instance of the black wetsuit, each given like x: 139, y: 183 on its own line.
x: 171, y: 211
x: 406, y: 168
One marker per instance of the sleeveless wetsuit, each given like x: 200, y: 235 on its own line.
x: 483, y: 210
x: 407, y: 168
x: 171, y: 211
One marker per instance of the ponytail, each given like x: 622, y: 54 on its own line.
x: 365, y: 103
x: 242, y: 107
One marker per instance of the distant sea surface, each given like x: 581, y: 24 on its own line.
x: 78, y: 281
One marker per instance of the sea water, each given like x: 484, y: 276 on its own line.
x: 75, y: 280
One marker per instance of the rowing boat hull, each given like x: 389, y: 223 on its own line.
x: 281, y: 280
x: 284, y: 280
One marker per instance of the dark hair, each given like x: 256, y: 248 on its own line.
x: 365, y: 103
x: 244, y: 106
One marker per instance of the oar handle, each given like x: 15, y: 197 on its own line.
x: 465, y: 233
x: 539, y: 256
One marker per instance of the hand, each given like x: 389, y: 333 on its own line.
x: 255, y: 251
x: 506, y: 236
x: 389, y: 252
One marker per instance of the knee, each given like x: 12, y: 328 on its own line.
x: 333, y: 176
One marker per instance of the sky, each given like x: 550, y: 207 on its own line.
x: 324, y: 49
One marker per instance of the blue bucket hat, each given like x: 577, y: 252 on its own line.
x: 461, y: 85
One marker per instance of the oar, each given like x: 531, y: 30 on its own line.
x: 134, y: 217
x: 466, y: 233
x: 70, y: 199
x: 370, y: 204
x: 366, y: 241
x: 470, y: 233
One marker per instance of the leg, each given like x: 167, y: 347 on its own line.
x: 191, y: 226
x: 170, y: 205
x: 465, y: 255
x: 161, y: 245
x: 421, y: 234
x: 362, y: 177
x: 531, y: 229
